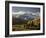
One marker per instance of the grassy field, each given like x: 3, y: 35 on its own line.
x: 22, y: 27
x: 29, y: 25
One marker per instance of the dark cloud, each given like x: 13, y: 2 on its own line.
x: 25, y: 9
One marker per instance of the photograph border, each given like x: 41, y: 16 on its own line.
x: 7, y: 18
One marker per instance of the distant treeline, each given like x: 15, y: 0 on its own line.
x: 18, y: 21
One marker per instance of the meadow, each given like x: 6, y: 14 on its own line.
x: 27, y: 25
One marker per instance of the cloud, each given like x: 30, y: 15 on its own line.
x: 37, y: 14
x: 17, y: 14
x: 20, y: 13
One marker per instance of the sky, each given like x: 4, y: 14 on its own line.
x: 25, y: 10
x: 30, y: 9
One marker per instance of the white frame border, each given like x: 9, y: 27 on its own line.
x: 25, y: 32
